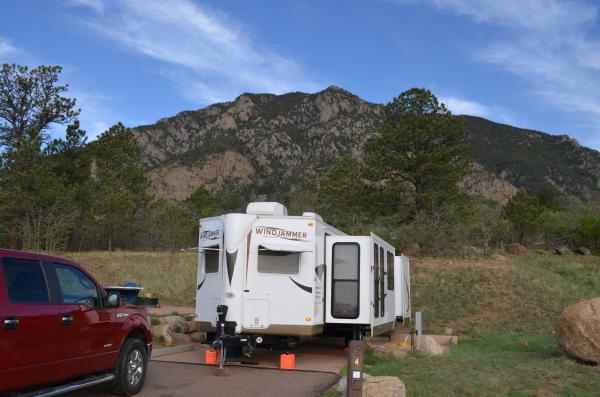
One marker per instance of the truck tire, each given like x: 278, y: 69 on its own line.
x: 130, y: 371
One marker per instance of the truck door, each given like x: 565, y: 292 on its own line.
x: 87, y: 329
x: 29, y: 325
x: 209, y: 287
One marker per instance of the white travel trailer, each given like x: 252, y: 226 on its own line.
x: 265, y: 277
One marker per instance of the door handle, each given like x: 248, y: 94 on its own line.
x: 66, y: 319
x: 11, y: 323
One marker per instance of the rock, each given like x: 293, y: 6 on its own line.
x: 167, y: 340
x: 472, y: 252
x: 542, y: 252
x: 413, y: 250
x: 578, y: 330
x: 497, y: 257
x: 388, y: 351
x: 583, y: 250
x: 341, y: 386
x: 448, y: 331
x: 147, y: 295
x: 161, y: 329
x: 198, y: 336
x: 516, y: 249
x: 563, y: 250
x: 193, y: 326
x: 430, y: 346
x: 178, y: 324
x: 383, y: 386
x: 181, y: 338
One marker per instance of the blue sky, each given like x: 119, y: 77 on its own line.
x: 530, y: 63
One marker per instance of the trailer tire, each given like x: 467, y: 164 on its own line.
x: 130, y: 371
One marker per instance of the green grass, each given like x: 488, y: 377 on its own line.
x: 169, y: 277
x: 504, y: 314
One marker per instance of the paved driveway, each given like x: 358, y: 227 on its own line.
x: 166, y: 379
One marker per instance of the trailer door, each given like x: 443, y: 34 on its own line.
x: 209, y: 288
x: 348, y: 277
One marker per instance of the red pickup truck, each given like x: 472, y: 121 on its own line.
x: 61, y: 331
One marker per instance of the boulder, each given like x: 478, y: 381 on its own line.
x: 388, y: 351
x: 578, y: 330
x: 198, y: 336
x: 343, y: 382
x: 383, y: 386
x: 161, y: 329
x: 178, y: 324
x: 412, y: 250
x: 516, y: 249
x: 167, y: 340
x: 162, y: 333
x: 497, y: 257
x: 583, y: 250
x: 563, y: 250
x: 181, y: 338
x: 193, y: 326
x: 430, y: 346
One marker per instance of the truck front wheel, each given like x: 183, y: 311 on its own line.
x: 131, y: 368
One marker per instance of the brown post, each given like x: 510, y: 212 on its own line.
x: 356, y: 352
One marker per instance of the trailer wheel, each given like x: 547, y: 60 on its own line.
x: 130, y: 371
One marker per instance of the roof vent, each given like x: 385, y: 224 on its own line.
x: 266, y: 208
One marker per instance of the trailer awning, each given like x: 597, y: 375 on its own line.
x: 284, y: 247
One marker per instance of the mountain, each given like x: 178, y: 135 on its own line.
x: 263, y: 144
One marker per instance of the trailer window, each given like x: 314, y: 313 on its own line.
x: 211, y: 259
x: 381, y: 281
x: 280, y: 262
x: 390, y: 270
x: 376, y: 279
x: 345, y: 280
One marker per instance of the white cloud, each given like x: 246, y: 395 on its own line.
x: 212, y: 58
x: 548, y: 43
x: 464, y: 106
x: 7, y: 49
x: 96, y: 5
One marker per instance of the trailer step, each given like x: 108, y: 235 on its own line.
x: 72, y: 386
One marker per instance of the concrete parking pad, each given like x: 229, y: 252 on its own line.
x: 166, y: 379
x: 312, y: 354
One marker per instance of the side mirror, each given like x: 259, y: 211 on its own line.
x: 113, y: 299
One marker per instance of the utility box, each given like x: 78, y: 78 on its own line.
x: 356, y: 352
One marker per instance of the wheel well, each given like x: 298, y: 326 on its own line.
x: 137, y: 333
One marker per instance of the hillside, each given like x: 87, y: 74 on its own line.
x: 266, y: 143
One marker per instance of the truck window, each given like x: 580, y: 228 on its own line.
x: 211, y: 259
x: 25, y: 281
x: 345, y: 280
x: 76, y: 287
x: 280, y: 262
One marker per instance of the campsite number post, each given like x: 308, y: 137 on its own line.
x: 355, y: 367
